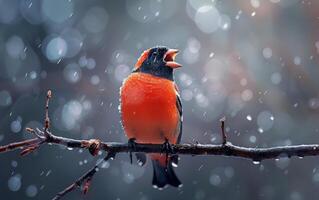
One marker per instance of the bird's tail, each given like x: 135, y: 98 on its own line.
x: 164, y: 174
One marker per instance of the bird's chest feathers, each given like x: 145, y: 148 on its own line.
x: 148, y: 99
x: 148, y: 109
x: 150, y: 92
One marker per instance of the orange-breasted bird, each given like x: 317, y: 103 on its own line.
x: 151, y: 109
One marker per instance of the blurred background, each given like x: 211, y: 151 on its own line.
x: 253, y: 61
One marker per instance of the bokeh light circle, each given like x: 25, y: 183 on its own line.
x: 207, y: 18
x: 95, y: 19
x: 56, y: 49
x: 57, y: 11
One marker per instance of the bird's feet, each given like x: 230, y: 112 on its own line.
x: 132, y: 145
x: 167, y: 148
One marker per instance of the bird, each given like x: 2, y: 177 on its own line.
x: 151, y: 110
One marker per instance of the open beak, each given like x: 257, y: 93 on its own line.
x: 169, y: 58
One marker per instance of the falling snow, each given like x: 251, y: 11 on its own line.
x: 254, y: 62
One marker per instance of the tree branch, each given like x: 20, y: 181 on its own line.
x: 186, y: 149
x: 94, y: 146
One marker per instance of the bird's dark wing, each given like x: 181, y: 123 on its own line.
x: 175, y: 158
x: 180, y: 124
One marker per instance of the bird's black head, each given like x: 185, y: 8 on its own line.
x: 158, y: 61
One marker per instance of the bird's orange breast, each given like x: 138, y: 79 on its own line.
x: 148, y: 108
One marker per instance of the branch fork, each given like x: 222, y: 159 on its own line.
x: 93, y: 145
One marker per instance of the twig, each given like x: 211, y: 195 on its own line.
x: 222, y: 120
x: 95, y: 145
x: 84, y: 180
x: 47, y: 119
x: 16, y: 145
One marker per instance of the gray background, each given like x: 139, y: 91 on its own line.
x: 255, y: 62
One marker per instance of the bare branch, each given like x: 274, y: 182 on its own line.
x: 84, y: 180
x: 186, y: 149
x: 16, y: 145
x: 222, y: 120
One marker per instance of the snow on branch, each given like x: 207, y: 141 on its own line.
x: 45, y: 136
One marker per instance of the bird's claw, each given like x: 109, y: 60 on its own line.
x: 167, y: 148
x: 132, y: 145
